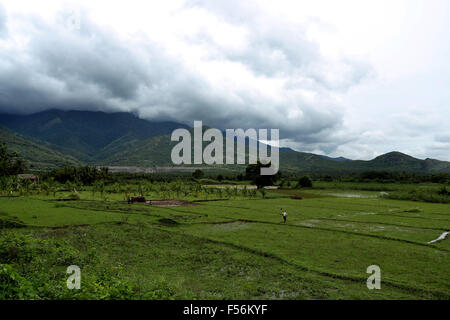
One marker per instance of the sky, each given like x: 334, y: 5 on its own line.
x: 352, y: 78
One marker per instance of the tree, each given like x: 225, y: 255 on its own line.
x: 444, y: 192
x: 253, y: 173
x: 304, y: 182
x: 50, y: 186
x: 10, y: 162
x: 8, y: 184
x: 84, y: 175
x: 26, y: 186
x: 198, y: 174
x: 99, y: 186
x: 45, y: 188
x: 103, y: 173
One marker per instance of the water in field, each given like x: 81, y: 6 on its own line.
x: 240, y: 187
x: 350, y: 195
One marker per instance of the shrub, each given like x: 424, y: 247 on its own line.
x: 74, y: 196
x: 444, y: 192
x: 304, y: 182
x: 263, y: 193
x: 13, y: 285
x: 253, y: 173
x: 198, y: 174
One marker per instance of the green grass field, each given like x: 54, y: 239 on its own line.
x: 226, y: 249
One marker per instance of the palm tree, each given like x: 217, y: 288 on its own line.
x: 245, y: 192
x: 45, y: 188
x: 4, y: 184
x: 99, y: 186
x: 70, y: 186
x: 52, y: 186
x: 228, y: 192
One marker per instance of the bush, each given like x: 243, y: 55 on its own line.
x: 161, y: 292
x: 13, y: 285
x: 253, y: 173
x: 34, y: 268
x: 263, y: 193
x: 10, y: 162
x: 304, y: 182
x: 87, y: 175
x: 419, y: 195
x: 74, y: 196
x: 444, y: 192
x: 16, y: 249
x: 198, y: 174
x: 10, y: 223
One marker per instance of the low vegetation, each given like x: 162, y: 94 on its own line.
x: 222, y: 238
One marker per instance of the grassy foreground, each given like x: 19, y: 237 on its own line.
x: 229, y: 249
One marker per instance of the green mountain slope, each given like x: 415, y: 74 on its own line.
x: 37, y: 156
x: 151, y: 152
x: 156, y: 151
x: 122, y: 139
x: 397, y: 161
x: 85, y: 135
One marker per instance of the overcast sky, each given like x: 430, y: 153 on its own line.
x: 341, y: 78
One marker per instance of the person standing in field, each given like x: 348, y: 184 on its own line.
x: 284, y: 214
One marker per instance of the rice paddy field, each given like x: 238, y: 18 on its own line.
x: 236, y: 248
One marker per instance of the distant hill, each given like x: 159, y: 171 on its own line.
x: 55, y: 138
x: 37, y: 156
x: 336, y: 159
x: 287, y: 149
x: 156, y: 151
x: 397, y: 161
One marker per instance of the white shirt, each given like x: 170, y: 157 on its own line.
x: 284, y: 214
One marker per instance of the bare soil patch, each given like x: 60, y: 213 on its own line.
x: 170, y: 203
x: 228, y: 222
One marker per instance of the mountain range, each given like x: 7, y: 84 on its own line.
x: 55, y: 138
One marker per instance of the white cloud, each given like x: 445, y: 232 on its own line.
x: 339, y: 78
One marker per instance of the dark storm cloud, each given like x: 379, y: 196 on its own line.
x: 278, y: 78
x: 95, y: 59
x: 68, y: 69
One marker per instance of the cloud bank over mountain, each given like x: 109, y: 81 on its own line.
x: 228, y: 63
